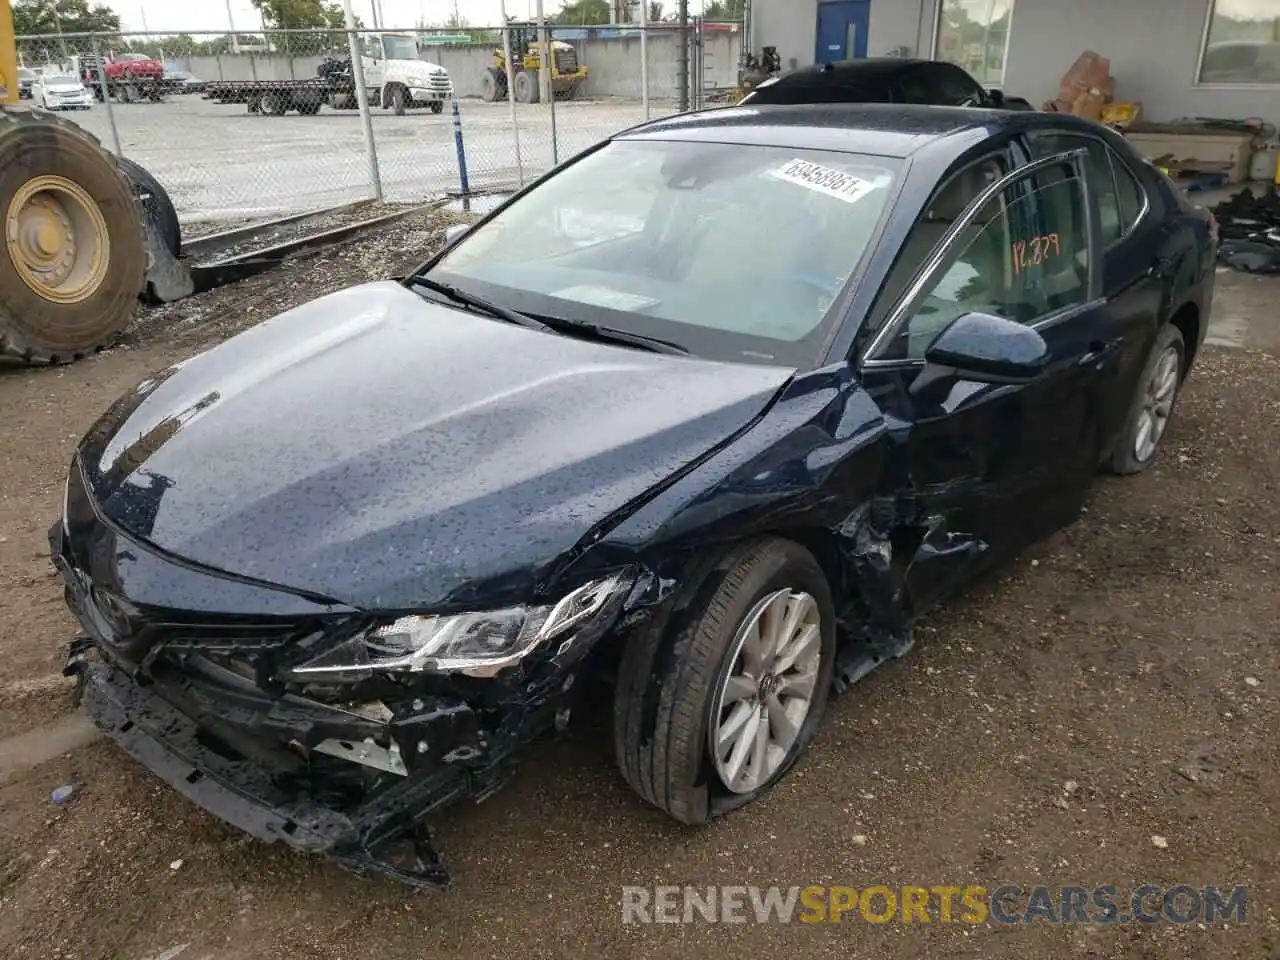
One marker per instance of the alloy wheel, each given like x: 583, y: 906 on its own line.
x: 767, y: 691
x: 1157, y: 404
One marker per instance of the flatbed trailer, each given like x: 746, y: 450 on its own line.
x: 277, y: 97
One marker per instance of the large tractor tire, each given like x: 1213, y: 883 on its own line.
x: 155, y: 203
x: 74, y: 256
x: 527, y: 87
x: 493, y: 85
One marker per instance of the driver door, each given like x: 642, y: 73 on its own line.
x: 373, y: 61
x: 987, y: 468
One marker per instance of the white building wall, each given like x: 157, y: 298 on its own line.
x: 1154, y: 46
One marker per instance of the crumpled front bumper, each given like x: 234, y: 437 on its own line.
x: 380, y: 837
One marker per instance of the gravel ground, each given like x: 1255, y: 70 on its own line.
x: 220, y: 163
x: 1118, y: 682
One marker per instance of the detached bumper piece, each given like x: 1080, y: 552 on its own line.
x: 381, y: 836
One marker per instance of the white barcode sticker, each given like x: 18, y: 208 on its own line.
x: 834, y: 183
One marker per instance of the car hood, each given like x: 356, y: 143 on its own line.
x: 70, y: 86
x: 419, y: 69
x: 380, y: 450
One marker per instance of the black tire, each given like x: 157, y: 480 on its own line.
x: 274, y: 104
x: 437, y: 106
x: 309, y: 109
x: 1125, y: 459
x: 32, y: 328
x: 493, y: 85
x: 399, y: 101
x: 671, y: 672
x: 155, y: 201
x: 526, y: 87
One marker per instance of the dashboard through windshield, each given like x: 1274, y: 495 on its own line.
x: 734, y: 252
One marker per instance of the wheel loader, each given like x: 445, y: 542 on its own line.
x: 76, y: 242
x: 567, y: 74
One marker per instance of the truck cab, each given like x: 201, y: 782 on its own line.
x: 397, y: 77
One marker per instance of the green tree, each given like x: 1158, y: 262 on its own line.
x: 723, y: 10
x: 655, y: 11
x: 32, y: 17
x: 583, y: 13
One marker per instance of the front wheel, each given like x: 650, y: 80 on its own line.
x: 399, y: 101
x: 714, y: 709
x: 1152, y: 404
x: 437, y: 106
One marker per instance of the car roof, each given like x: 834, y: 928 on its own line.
x: 875, y: 68
x: 882, y: 129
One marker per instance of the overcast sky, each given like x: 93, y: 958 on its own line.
x: 176, y: 16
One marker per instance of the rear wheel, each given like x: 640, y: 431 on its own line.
x: 437, y: 106
x: 1153, y: 402
x: 309, y: 109
x: 73, y: 258
x: 713, y: 708
x: 493, y: 85
x: 526, y: 87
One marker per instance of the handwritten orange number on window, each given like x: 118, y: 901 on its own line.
x: 1035, y: 252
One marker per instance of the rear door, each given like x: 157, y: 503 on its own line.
x: 1134, y: 275
x: 993, y: 467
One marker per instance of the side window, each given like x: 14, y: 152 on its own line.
x: 915, y: 87
x: 1024, y: 256
x: 1128, y: 192
x: 954, y: 86
x: 943, y: 210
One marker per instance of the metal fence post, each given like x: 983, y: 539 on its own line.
x: 362, y: 100
x: 106, y: 100
x: 462, y: 152
x: 545, y: 53
x: 682, y: 59
x: 644, y: 56
x: 511, y: 92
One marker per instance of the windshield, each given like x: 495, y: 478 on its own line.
x: 60, y: 78
x: 732, y: 252
x: 400, y: 48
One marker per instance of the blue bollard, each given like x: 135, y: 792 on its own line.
x: 462, y: 153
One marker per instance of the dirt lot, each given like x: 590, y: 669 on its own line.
x: 1120, y: 681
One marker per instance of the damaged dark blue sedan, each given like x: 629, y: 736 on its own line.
x: 711, y: 413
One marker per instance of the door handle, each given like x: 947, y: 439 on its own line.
x: 1159, y: 266
x: 1099, y: 350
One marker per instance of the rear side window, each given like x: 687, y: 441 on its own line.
x: 828, y: 91
x: 1128, y: 192
x: 1118, y: 193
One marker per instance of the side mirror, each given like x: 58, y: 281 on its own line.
x: 454, y: 232
x: 986, y: 349
x: 995, y: 98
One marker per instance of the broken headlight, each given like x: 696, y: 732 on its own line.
x: 477, y: 644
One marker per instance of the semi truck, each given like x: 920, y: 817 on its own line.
x: 395, y: 78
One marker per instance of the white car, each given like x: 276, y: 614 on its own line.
x: 61, y: 91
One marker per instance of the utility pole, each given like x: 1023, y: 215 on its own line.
x: 231, y: 24
x: 682, y: 62
x: 57, y: 27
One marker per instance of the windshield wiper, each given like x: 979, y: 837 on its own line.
x: 481, y: 304
x: 613, y: 335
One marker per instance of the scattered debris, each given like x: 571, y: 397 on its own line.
x: 1250, y: 229
x: 1159, y: 842
x: 1070, y: 787
x: 859, y: 840
x: 63, y: 794
x: 1252, y: 681
x: 176, y: 864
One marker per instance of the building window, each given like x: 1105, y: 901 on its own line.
x: 1242, y: 43
x: 974, y: 34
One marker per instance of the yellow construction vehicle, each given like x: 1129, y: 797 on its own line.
x: 75, y: 251
x: 567, y: 74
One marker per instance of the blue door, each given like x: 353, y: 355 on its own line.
x: 842, y: 30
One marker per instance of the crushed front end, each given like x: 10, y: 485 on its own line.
x: 298, y: 720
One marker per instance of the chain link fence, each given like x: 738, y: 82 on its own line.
x: 249, y: 127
